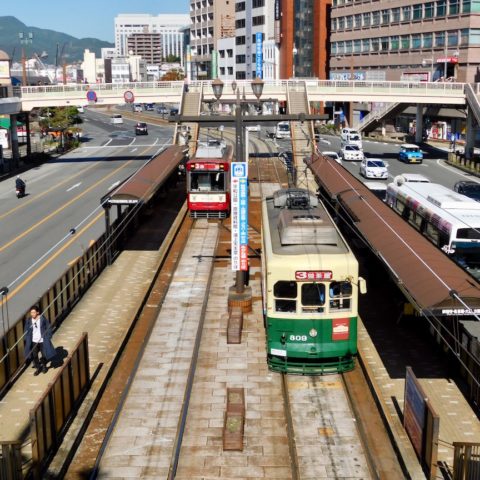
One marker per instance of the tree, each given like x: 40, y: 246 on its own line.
x: 172, y: 58
x: 59, y: 118
x: 173, y: 75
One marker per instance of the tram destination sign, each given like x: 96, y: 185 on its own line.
x: 313, y: 275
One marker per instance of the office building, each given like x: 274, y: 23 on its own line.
x: 210, y: 20
x: 168, y: 26
x: 405, y: 40
x: 254, y: 26
x: 147, y: 45
x: 304, y: 38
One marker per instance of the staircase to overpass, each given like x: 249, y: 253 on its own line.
x: 302, y: 133
x: 191, y: 105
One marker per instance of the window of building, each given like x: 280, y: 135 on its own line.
x: 240, y: 40
x: 230, y: 70
x: 334, y: 24
x: 341, y: 23
x: 416, y: 40
x: 417, y: 12
x: 334, y: 48
x: 254, y: 38
x: 229, y: 53
x: 394, y: 42
x: 357, y: 46
x: 375, y: 45
x: 475, y: 5
x: 254, y: 58
x: 464, y: 34
x: 440, y: 39
x: 240, y: 59
x: 259, y: 20
x: 340, y: 48
x: 395, y: 15
x: 222, y: 70
x: 429, y: 10
x: 258, y: 3
x: 366, y: 45
x: 407, y: 13
x: 384, y: 44
x: 375, y: 18
x: 427, y: 40
x: 473, y: 36
x: 348, y: 46
x: 240, y: 6
x: 441, y: 8
x: 367, y: 18
x: 221, y: 53
x: 452, y: 38
x: 357, y: 21
x: 349, y: 22
x: 453, y: 7
x: 385, y: 17
x: 240, y: 76
x: 240, y: 23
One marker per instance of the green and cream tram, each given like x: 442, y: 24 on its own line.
x: 310, y: 287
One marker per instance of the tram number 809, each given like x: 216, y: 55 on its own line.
x: 298, y: 338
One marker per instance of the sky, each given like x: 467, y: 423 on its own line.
x: 85, y: 18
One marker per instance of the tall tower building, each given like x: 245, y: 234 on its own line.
x: 210, y: 20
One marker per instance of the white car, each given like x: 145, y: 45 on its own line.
x: 333, y: 156
x: 253, y: 128
x: 374, y: 168
x: 351, y: 152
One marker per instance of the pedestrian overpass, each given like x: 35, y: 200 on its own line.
x: 275, y: 90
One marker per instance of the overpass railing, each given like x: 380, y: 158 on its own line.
x: 272, y: 88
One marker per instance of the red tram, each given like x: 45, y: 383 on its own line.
x: 208, y: 181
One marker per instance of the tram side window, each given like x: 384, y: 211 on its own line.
x: 432, y: 233
x: 399, y: 206
x: 282, y: 291
x: 340, y: 295
x: 313, y: 295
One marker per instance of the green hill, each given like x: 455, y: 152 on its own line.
x: 45, y: 41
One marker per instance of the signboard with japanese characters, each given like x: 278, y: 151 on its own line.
x: 239, y: 216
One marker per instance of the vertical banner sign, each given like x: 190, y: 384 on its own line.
x: 277, y: 25
x: 214, y: 64
x: 239, y: 216
x: 259, y: 54
x: 189, y: 63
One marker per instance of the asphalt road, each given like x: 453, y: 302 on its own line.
x: 35, y: 244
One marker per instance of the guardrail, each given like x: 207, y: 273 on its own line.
x: 49, y: 417
x: 466, y: 461
x: 57, y: 405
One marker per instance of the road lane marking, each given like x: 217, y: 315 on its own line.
x: 45, y: 192
x: 74, y: 186
x: 453, y: 169
x: 42, y: 267
x: 63, y: 207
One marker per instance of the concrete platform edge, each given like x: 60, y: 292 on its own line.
x: 80, y: 422
x: 404, y: 452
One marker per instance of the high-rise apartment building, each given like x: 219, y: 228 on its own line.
x: 253, y: 17
x: 168, y: 26
x: 406, y: 40
x: 147, y: 45
x: 210, y: 20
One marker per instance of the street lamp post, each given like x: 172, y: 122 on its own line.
x: 25, y: 39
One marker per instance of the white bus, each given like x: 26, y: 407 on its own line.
x: 448, y: 219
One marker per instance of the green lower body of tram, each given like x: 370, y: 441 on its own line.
x: 311, y: 347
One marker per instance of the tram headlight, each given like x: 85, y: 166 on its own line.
x: 313, y: 333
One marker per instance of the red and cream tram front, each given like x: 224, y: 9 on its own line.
x: 208, y: 182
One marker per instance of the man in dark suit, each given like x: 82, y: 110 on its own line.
x: 38, y: 338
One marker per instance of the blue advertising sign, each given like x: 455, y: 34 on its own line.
x: 259, y: 54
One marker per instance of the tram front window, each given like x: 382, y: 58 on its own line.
x: 313, y: 297
x: 207, y: 182
x: 340, y: 295
x: 285, y: 290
